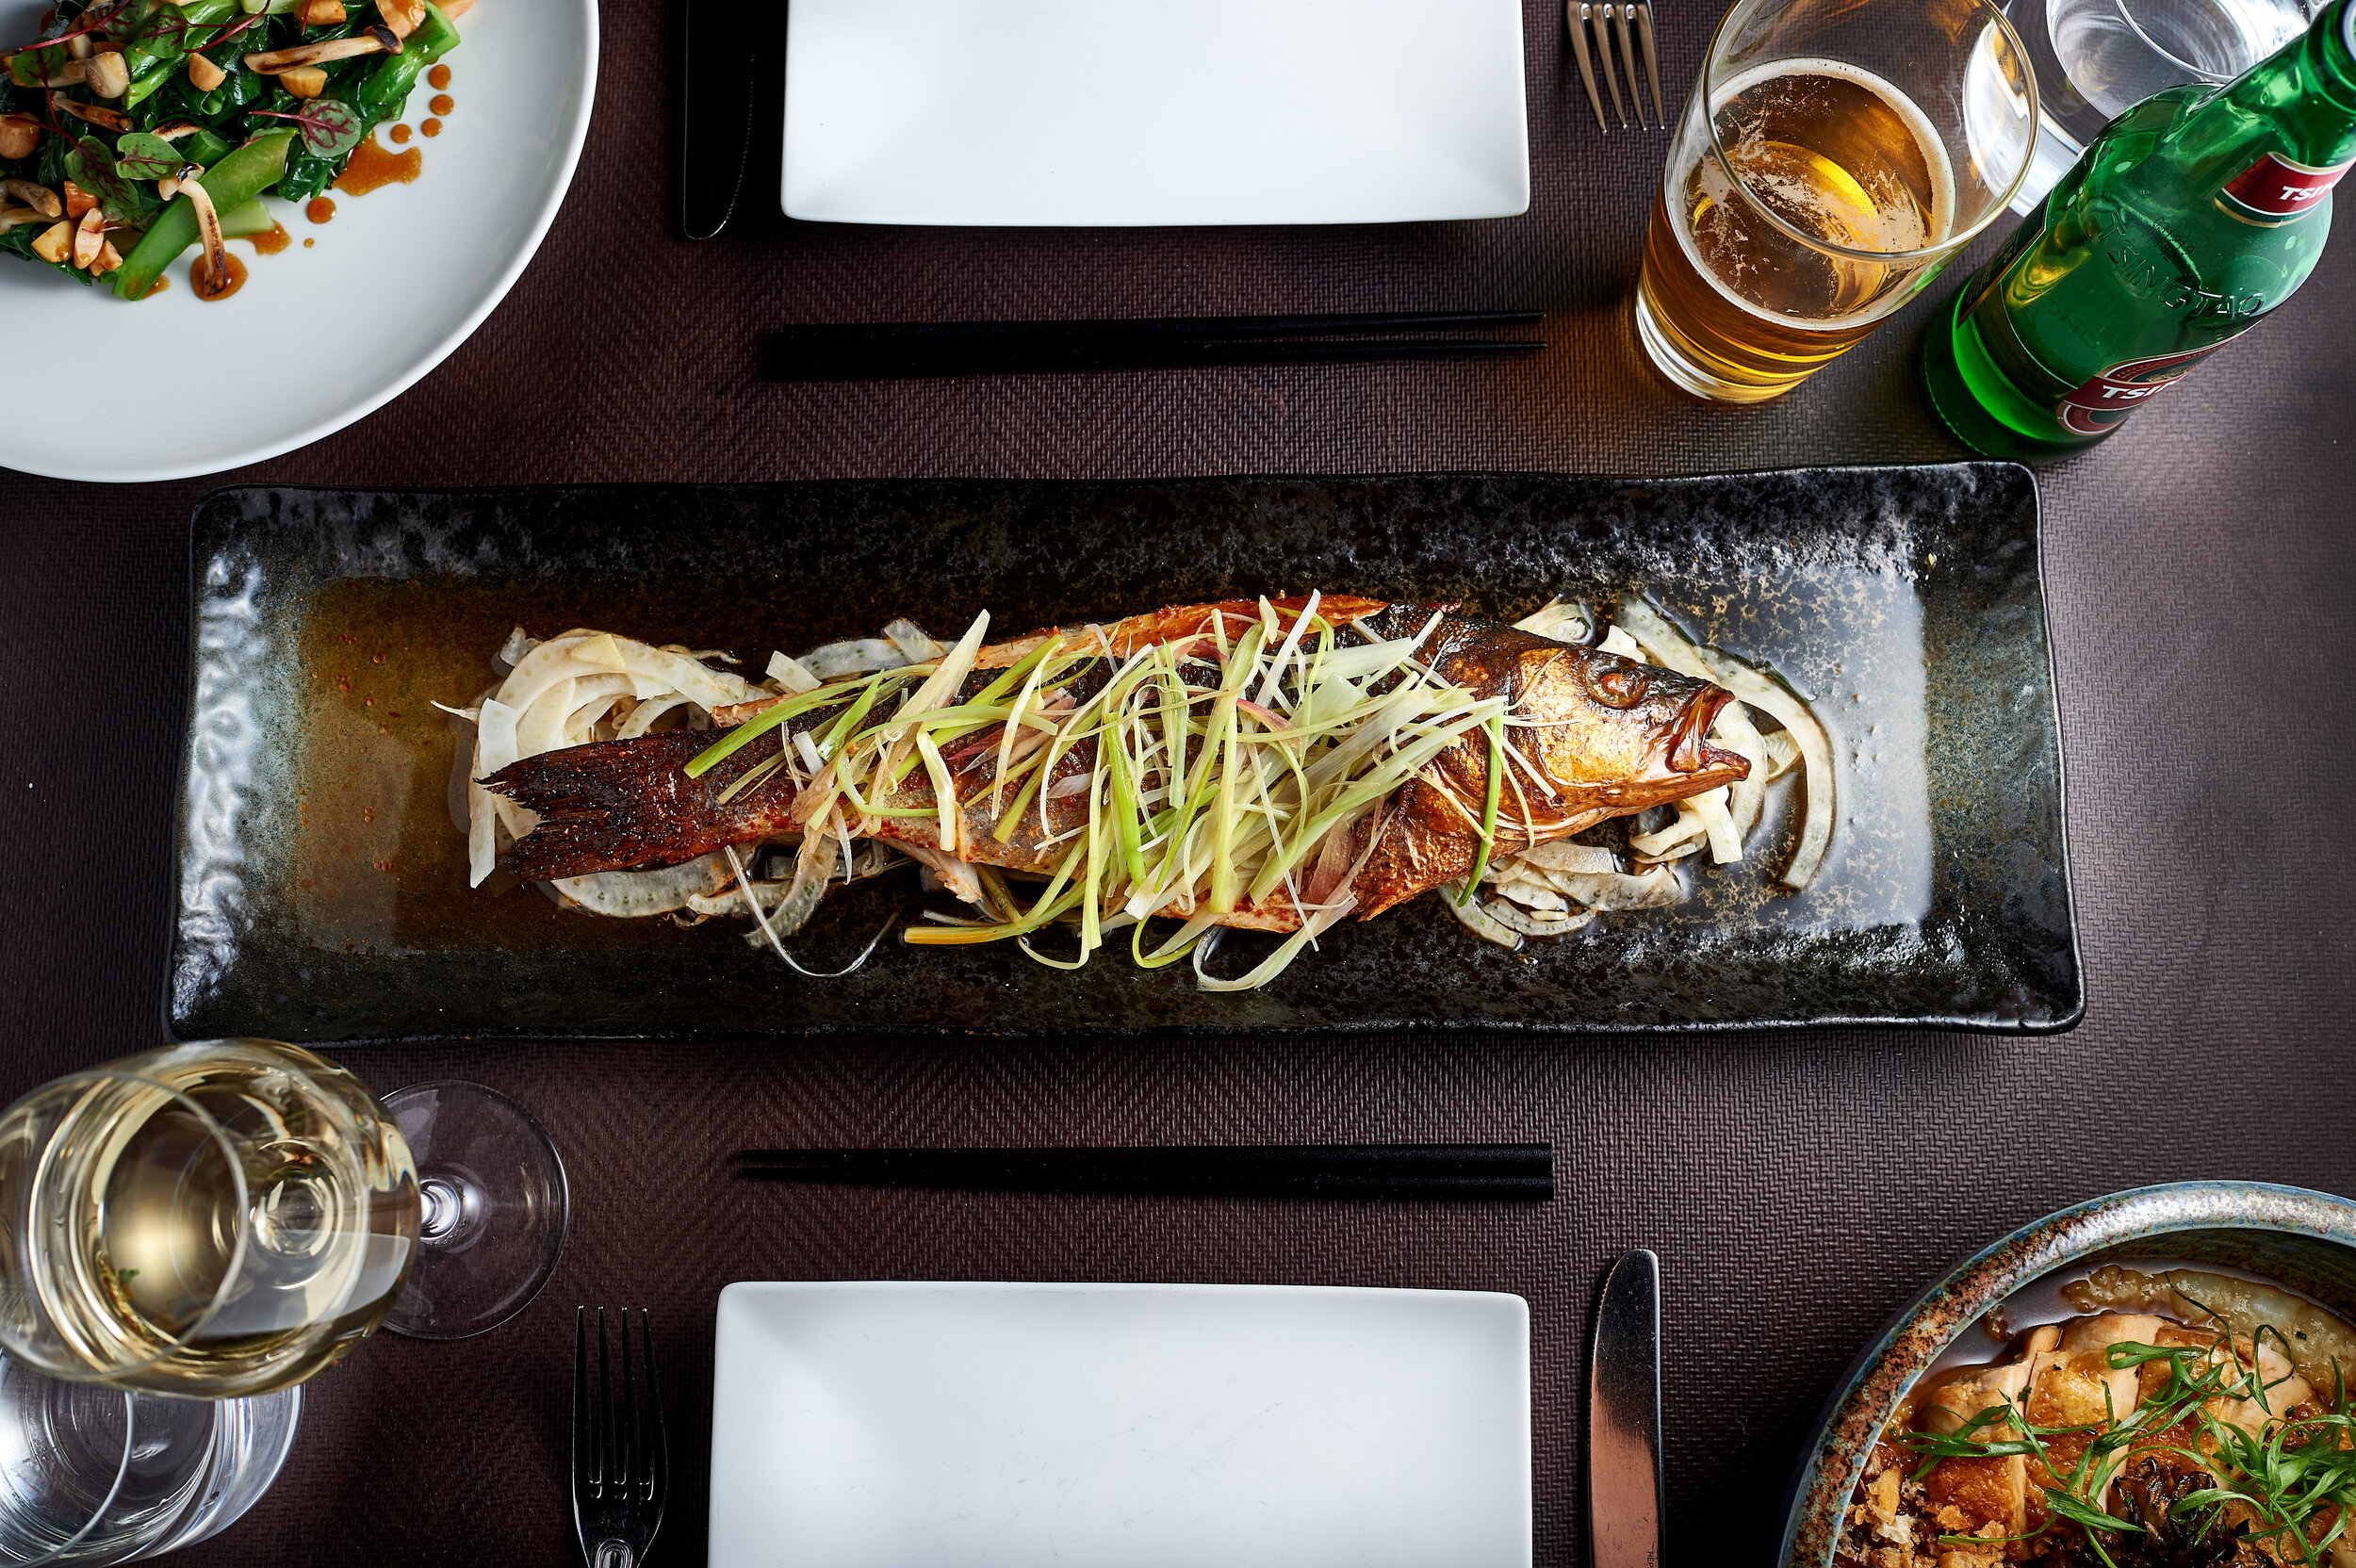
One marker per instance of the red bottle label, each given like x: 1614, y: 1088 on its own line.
x: 2274, y: 190
x: 2103, y: 401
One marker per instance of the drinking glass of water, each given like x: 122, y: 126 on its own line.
x: 2096, y: 59
x: 93, y: 1476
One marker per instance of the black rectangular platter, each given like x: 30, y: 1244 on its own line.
x: 323, y: 896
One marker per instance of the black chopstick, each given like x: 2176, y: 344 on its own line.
x: 899, y: 348
x: 1490, y: 1173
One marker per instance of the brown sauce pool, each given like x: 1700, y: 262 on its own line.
x: 438, y: 77
x: 399, y: 133
x: 271, y: 240
x: 372, y: 169
x: 432, y: 127
x: 443, y: 102
x: 209, y: 288
x: 318, y: 210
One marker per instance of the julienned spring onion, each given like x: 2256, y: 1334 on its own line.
x: 1214, y: 774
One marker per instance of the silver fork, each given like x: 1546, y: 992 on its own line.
x: 1630, y: 21
x: 621, y: 1462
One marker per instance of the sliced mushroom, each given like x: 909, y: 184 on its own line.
x: 203, y: 75
x: 303, y: 81
x: 107, y: 74
x: 15, y: 217
x: 55, y: 243
x: 216, y: 259
x: 401, y: 16
x: 77, y: 200
x: 172, y: 130
x: 69, y: 74
x: 106, y: 119
x: 89, y: 235
x: 376, y: 41
x: 20, y: 135
x: 38, y: 197
x: 322, y: 13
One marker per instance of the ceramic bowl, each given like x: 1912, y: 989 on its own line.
x: 2306, y: 1240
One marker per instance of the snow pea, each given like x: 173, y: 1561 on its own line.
x: 202, y: 148
x: 243, y: 223
x: 237, y: 179
x: 387, y: 91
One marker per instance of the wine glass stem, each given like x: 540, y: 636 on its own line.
x: 450, y: 1206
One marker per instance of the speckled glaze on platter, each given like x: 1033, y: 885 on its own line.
x: 322, y: 887
x: 2303, y: 1239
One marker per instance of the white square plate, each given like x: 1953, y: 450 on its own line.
x: 1137, y: 1425
x: 1119, y: 112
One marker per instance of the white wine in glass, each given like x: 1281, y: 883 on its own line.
x: 222, y: 1219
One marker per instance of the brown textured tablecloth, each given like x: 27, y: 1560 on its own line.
x: 1800, y: 1188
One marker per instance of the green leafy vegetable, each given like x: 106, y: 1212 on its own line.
x: 329, y: 126
x: 90, y: 166
x: 144, y: 156
x: 243, y: 111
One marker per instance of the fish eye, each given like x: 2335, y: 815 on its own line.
x: 1616, y: 685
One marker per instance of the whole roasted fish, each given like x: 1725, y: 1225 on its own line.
x: 1265, y: 764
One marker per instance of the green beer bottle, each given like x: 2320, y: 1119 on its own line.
x: 2192, y: 215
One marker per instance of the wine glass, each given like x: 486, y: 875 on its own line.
x: 227, y: 1218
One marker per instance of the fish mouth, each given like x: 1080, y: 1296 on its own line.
x: 1690, y: 752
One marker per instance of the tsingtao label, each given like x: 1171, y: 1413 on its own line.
x: 2274, y: 190
x: 2103, y: 401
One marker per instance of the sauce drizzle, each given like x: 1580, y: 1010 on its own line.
x: 201, y: 277
x: 372, y: 169
x: 438, y: 77
x: 432, y: 127
x: 271, y: 240
x: 318, y: 210
x: 399, y: 133
x: 443, y: 102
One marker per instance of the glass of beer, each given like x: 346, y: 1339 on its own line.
x: 1835, y: 156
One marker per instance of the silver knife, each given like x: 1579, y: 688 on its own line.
x: 1624, y: 1417
x: 720, y: 40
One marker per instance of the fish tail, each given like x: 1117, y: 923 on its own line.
x: 621, y: 805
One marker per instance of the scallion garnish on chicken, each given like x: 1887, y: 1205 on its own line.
x: 2186, y: 1420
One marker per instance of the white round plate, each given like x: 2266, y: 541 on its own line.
x: 172, y: 387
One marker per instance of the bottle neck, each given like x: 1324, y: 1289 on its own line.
x: 2306, y: 93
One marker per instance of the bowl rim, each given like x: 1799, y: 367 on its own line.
x: 1834, y: 1457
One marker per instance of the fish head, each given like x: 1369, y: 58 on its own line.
x: 1610, y: 731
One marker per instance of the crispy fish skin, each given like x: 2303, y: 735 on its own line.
x: 1603, y: 736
